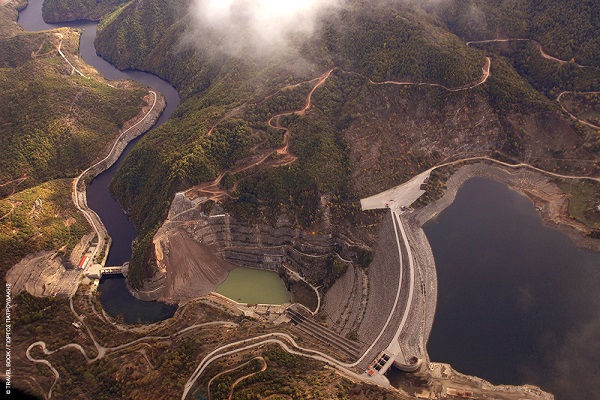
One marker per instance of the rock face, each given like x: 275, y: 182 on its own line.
x: 35, y: 273
x: 195, y: 251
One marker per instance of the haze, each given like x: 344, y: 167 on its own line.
x: 259, y: 25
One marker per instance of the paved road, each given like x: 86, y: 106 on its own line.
x: 285, y: 341
x: 400, y: 196
x: 394, y: 347
x: 80, y: 199
x: 104, y: 351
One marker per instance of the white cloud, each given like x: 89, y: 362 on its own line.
x: 239, y: 26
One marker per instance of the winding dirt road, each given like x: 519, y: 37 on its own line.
x: 216, y: 193
x: 548, y: 57
x: 263, y: 368
x: 520, y: 165
x: 573, y: 116
x: 211, y: 189
x: 484, y: 77
x: 60, y: 36
x: 104, y: 351
x: 539, y: 46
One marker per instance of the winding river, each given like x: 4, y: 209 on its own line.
x: 115, y: 297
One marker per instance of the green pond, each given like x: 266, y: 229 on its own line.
x: 254, y: 286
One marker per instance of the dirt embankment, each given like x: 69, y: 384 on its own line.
x: 35, y: 273
x: 198, y: 269
x: 194, y: 251
x: 551, y: 202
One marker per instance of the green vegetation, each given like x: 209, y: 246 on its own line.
x: 39, y: 218
x: 229, y: 97
x: 584, y: 200
x: 287, y: 376
x: 508, y: 92
x: 221, y: 386
x: 8, y: 19
x: 391, y: 43
x: 35, y: 317
x: 52, y: 124
x: 73, y: 10
x: 566, y: 28
x: 546, y: 76
x: 585, y: 106
x: 158, y: 369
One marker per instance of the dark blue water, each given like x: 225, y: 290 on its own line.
x: 518, y: 301
x: 115, y: 297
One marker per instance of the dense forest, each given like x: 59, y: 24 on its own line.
x: 567, y: 29
x: 73, y: 10
x: 53, y: 124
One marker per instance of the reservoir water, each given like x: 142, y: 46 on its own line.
x: 254, y: 286
x: 115, y: 297
x: 518, y: 301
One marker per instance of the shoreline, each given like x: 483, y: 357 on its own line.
x: 131, y: 130
x: 546, y: 196
x: 549, y: 200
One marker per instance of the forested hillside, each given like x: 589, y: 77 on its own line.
x: 53, y: 124
x: 73, y: 10
x: 211, y: 82
x: 566, y: 28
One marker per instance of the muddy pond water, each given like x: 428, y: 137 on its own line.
x: 254, y: 286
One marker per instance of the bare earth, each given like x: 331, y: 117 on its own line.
x: 36, y: 273
x: 197, y: 270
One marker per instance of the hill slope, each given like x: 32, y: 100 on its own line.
x: 53, y: 124
x: 359, y: 136
x: 566, y: 28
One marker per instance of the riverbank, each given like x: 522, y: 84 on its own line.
x: 43, y: 274
x: 144, y: 121
x: 550, y: 201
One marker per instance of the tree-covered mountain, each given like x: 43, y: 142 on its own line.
x: 371, y: 42
x: 53, y: 124
x: 73, y: 10
x: 566, y: 28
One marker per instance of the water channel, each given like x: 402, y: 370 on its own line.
x: 115, y: 297
x: 518, y: 301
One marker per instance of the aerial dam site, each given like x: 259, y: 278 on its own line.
x: 309, y: 199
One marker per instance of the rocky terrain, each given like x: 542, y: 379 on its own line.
x: 195, y: 250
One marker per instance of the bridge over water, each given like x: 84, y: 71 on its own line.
x: 97, y: 271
